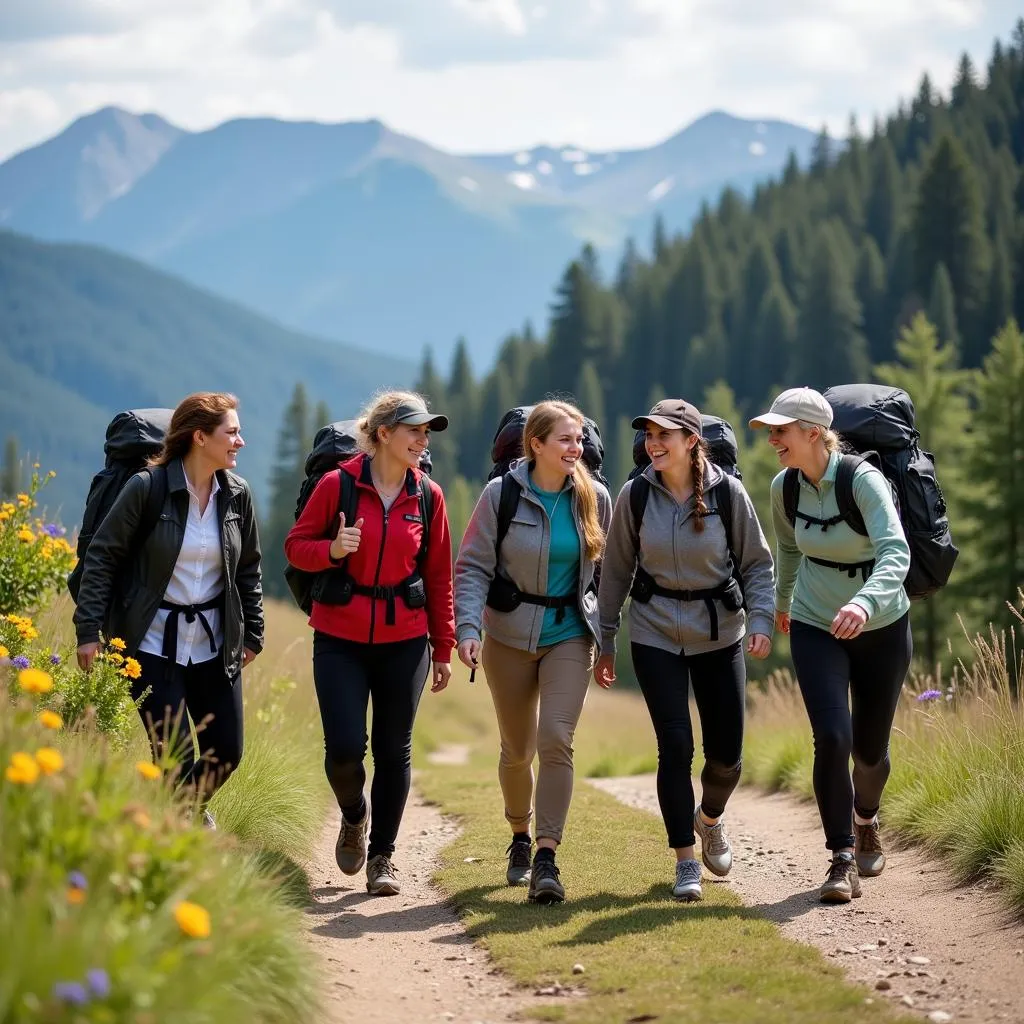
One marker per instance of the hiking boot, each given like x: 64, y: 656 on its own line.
x: 350, y: 849
x: 519, y: 862
x: 687, y: 888
x: 544, y: 884
x: 869, y: 856
x: 715, y: 850
x: 843, y: 882
x: 381, y: 876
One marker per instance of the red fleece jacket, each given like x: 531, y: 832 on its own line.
x: 386, y: 556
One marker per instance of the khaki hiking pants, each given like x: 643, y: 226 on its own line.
x: 538, y: 699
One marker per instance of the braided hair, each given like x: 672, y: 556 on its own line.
x: 698, y: 464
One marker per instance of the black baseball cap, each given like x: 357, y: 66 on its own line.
x: 414, y: 413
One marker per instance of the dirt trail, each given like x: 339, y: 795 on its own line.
x: 950, y: 953
x: 407, y: 957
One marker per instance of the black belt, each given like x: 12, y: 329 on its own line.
x: 708, y: 596
x: 851, y: 568
x: 558, y: 603
x: 380, y: 593
x: 191, y: 613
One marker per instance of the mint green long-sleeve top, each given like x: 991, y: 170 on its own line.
x: 813, y: 593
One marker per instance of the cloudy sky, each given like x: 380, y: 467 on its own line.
x: 478, y: 75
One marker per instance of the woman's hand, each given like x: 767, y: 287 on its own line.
x: 849, y: 622
x: 469, y: 653
x: 759, y: 645
x: 86, y: 654
x: 604, y: 671
x: 442, y: 673
x: 348, y: 539
x: 782, y: 622
x: 247, y: 656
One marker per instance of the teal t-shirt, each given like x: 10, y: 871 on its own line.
x: 563, y: 566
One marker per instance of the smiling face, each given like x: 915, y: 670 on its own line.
x: 222, y: 446
x: 404, y: 443
x: 794, y: 446
x: 669, y: 450
x: 561, y: 449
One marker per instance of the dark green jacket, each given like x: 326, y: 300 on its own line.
x: 121, y: 599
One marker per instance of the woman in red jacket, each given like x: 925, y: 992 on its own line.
x: 377, y: 597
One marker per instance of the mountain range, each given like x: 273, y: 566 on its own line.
x: 358, y: 233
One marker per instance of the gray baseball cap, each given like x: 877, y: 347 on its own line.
x: 796, y: 404
x: 414, y: 413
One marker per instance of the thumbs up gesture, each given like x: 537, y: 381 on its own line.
x: 348, y: 538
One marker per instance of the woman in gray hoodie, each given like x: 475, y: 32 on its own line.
x: 525, y: 574
x: 685, y: 542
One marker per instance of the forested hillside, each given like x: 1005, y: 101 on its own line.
x: 814, y: 281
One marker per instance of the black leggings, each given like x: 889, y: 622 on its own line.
x: 347, y: 674
x: 214, y: 703
x: 866, y: 672
x: 718, y: 679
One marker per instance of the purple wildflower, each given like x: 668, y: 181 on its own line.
x: 77, y: 880
x: 20, y: 661
x: 70, y: 992
x: 99, y: 982
x: 54, y: 659
x: 53, y: 530
x: 929, y: 695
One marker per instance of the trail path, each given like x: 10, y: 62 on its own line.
x: 407, y: 957
x: 950, y: 953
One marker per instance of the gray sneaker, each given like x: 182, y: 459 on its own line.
x: 545, y: 885
x: 843, y: 882
x: 381, y: 877
x: 350, y: 849
x: 715, y: 850
x: 519, y: 863
x: 687, y: 888
x: 869, y: 856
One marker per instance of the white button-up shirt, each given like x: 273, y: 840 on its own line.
x: 198, y: 577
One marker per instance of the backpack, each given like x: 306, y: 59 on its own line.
x: 333, y: 444
x: 507, y: 445
x: 877, y: 422
x: 132, y: 437
x: 718, y: 435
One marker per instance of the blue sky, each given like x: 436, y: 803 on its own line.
x: 481, y: 75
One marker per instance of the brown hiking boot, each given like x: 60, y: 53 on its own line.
x: 843, y: 882
x: 350, y: 849
x: 869, y: 855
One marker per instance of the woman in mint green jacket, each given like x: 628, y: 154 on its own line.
x: 840, y: 597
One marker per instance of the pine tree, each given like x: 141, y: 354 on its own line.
x: 286, y: 476
x: 10, y: 474
x: 692, y: 306
x: 620, y: 463
x: 773, y: 344
x: 942, y: 307
x: 576, y: 325
x: 1000, y: 299
x: 429, y: 382
x: 659, y: 242
x: 462, y: 394
x: 881, y: 214
x: 589, y: 394
x: 321, y: 417
x: 966, y: 84
x: 872, y: 293
x: 821, y: 154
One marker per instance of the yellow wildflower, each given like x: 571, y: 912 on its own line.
x: 28, y: 632
x: 4, y: 653
x: 4, y: 514
x: 147, y: 770
x: 24, y: 500
x: 49, y: 760
x: 193, y: 919
x: 35, y: 680
x: 26, y: 535
x: 74, y: 896
x: 22, y: 769
x: 118, y: 644
x: 50, y: 720
x: 132, y: 669
x: 115, y: 659
x: 51, y: 474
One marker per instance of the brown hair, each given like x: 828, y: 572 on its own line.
x: 378, y: 414
x: 205, y: 411
x: 540, y: 423
x: 832, y: 441
x: 698, y: 466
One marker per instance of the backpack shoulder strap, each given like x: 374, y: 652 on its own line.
x: 155, y: 498
x: 508, y: 502
x: 639, y: 493
x: 426, y: 496
x: 348, y: 497
x: 723, y: 499
x: 848, y: 465
x: 791, y: 494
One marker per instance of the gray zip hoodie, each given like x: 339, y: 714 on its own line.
x: 679, y: 558
x: 524, y: 560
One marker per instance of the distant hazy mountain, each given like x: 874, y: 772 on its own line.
x: 85, y: 333
x: 358, y: 233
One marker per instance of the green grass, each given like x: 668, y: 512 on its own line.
x: 643, y: 953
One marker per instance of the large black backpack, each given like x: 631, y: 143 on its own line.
x: 132, y: 437
x: 877, y: 423
x: 333, y: 444
x: 507, y: 445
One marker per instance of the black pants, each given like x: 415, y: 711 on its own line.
x: 347, y: 675
x: 214, y: 703
x: 851, y: 689
x: 718, y: 679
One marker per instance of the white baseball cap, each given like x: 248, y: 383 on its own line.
x: 796, y: 404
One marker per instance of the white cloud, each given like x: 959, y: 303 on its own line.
x: 478, y: 75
